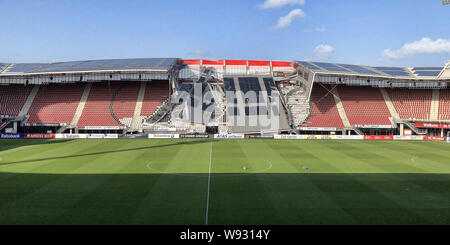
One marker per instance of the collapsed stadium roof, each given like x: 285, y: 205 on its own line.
x: 158, y: 68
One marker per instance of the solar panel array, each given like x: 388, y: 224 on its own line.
x: 166, y: 63
x: 356, y: 69
x: 359, y: 69
x: 394, y: 71
x: 427, y: 71
x: 89, y: 65
x: 26, y: 67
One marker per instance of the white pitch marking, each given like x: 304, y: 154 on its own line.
x: 209, y: 184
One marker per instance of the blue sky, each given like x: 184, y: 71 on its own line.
x: 416, y: 32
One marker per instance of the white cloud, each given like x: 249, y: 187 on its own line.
x: 423, y: 46
x: 323, y: 51
x: 201, y: 53
x: 269, y: 4
x: 287, y: 20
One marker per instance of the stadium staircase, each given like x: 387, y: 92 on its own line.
x: 389, y: 104
x: 340, y: 108
x: 81, y: 105
x: 434, y: 110
x: 26, y: 107
x: 413, y: 127
x: 138, y: 108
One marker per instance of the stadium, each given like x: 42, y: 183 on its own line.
x: 86, y: 149
x: 224, y: 131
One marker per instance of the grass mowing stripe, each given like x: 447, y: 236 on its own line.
x: 209, y: 183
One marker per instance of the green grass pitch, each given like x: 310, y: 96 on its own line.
x: 247, y: 182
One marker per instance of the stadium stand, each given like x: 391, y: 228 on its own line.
x: 411, y: 104
x: 324, y: 111
x: 55, y: 104
x: 133, y: 94
x: 12, y: 99
x: 364, y: 105
x: 444, y: 104
x: 98, y: 110
x: 155, y: 93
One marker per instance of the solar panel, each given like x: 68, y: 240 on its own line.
x: 365, y: 71
x: 61, y: 66
x: 145, y: 63
x: 336, y: 69
x: 324, y: 64
x: 359, y: 69
x: 428, y: 68
x: 167, y: 63
x: 90, y: 65
x: 428, y: 73
x: 308, y: 65
x: 24, y: 67
x: 397, y: 73
x: 118, y: 64
x: 390, y: 68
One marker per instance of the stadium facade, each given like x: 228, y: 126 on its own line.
x: 258, y: 97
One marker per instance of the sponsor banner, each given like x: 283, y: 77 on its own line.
x: 373, y: 126
x: 348, y: 137
x: 407, y: 132
x: 432, y: 125
x: 165, y: 129
x: 316, y: 129
x: 247, y: 136
x: 406, y: 137
x: 11, y: 136
x: 70, y: 136
x: 86, y: 136
x: 378, y: 137
x: 163, y: 136
x: 319, y: 137
x: 304, y: 137
x: 194, y: 136
x: 44, y: 124
x: 39, y: 136
x: 229, y: 136
x: 133, y: 136
x: 103, y: 127
x: 102, y: 136
x: 289, y: 137
x: 433, y: 138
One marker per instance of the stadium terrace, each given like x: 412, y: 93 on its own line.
x: 224, y: 97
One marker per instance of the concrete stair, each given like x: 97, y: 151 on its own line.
x: 29, y: 101
x: 434, y: 111
x: 81, y: 105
